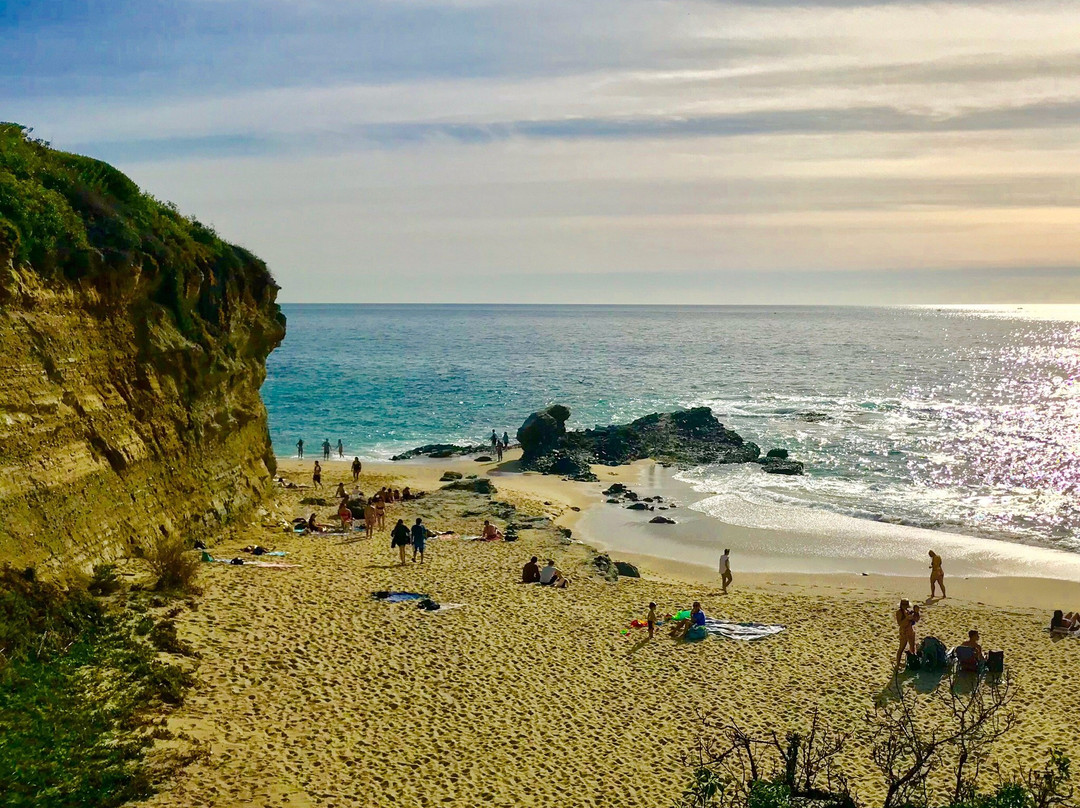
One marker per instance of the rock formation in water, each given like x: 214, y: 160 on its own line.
x: 687, y: 438
x: 132, y: 344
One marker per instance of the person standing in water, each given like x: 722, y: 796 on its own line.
x: 356, y: 466
x: 316, y: 475
x: 340, y: 450
x: 725, y: 570
x: 937, y: 574
x: 506, y: 441
x: 326, y: 449
x: 300, y: 448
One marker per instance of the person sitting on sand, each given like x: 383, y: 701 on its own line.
x: 696, y: 618
x: 406, y: 494
x: 904, y: 622
x: 490, y: 532
x: 937, y: 575
x: 371, y: 519
x: 530, y: 573
x: 551, y: 575
x: 1064, y: 623
x: 316, y: 475
x: 313, y: 526
x: 341, y: 492
x: 978, y: 658
x: 400, y: 538
x: 419, y: 539
x: 344, y: 514
x: 356, y: 466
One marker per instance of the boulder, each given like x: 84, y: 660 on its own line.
x: 606, y: 567
x: 637, y: 506
x: 614, y: 501
x: 626, y: 569
x: 541, y: 432
x: 661, y: 520
x: 780, y: 453
x: 483, y: 459
x: 615, y: 490
x: 481, y: 485
x: 438, y: 450
x: 450, y: 475
x: 777, y: 466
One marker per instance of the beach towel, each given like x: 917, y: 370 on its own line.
x: 398, y: 597
x: 740, y: 631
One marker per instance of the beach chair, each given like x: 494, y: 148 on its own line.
x: 965, y: 659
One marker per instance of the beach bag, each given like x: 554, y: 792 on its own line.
x: 914, y: 661
x: 995, y: 661
x: 932, y: 654
x: 697, y: 633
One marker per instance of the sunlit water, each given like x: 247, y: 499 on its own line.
x: 962, y: 419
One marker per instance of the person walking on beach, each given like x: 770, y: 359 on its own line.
x: 326, y: 449
x: 370, y: 520
x: 419, y: 539
x: 340, y: 450
x: 316, y: 475
x: 725, y: 570
x: 399, y: 538
x: 905, y: 622
x: 300, y: 448
x: 356, y: 466
x: 937, y: 574
x: 380, y: 509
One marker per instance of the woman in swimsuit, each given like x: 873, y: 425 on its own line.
x: 904, y: 621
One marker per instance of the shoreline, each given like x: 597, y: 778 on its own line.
x: 581, y: 508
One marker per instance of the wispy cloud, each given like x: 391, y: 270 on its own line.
x: 476, y: 137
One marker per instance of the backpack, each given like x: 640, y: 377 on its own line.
x: 995, y: 661
x: 932, y: 653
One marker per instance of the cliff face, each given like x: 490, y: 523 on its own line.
x: 132, y: 348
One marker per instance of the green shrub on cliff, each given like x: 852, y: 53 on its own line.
x: 75, y: 690
x: 68, y: 216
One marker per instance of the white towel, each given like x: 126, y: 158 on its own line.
x: 740, y: 631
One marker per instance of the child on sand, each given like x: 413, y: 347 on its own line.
x: 651, y: 620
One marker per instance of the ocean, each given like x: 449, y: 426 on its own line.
x: 963, y: 419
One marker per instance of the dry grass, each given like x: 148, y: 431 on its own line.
x: 174, y: 567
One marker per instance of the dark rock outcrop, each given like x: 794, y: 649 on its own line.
x: 480, y: 485
x: 449, y: 476
x: 781, y: 453
x: 661, y: 520
x: 627, y: 570
x: 775, y: 465
x: 685, y: 438
x: 439, y: 451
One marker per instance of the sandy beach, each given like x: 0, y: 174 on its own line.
x: 313, y: 693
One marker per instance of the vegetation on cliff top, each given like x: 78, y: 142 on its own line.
x: 68, y: 216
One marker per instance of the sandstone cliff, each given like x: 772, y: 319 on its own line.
x: 132, y: 349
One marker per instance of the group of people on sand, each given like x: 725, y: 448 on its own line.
x: 548, y: 575
x: 499, y: 445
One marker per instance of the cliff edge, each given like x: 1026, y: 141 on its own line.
x: 132, y: 348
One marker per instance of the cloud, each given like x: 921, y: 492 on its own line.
x: 351, y: 142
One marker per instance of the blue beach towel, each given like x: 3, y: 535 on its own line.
x: 398, y: 597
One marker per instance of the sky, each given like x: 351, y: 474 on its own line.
x: 593, y: 151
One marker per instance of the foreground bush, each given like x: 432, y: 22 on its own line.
x: 174, y: 567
